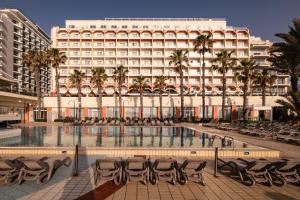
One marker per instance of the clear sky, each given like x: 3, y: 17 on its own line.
x: 262, y: 17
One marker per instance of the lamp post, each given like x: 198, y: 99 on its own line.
x: 124, y: 107
x: 74, y: 111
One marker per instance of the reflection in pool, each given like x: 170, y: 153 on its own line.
x: 68, y: 136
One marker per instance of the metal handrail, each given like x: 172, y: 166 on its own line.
x: 75, y: 169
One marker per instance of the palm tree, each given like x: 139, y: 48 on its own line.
x: 263, y: 79
x: 244, y: 72
x: 160, y: 84
x: 202, y: 44
x: 35, y: 61
x: 98, y: 78
x: 287, y: 64
x: 179, y: 59
x: 119, y: 75
x: 224, y: 62
x: 289, y: 52
x: 139, y: 84
x: 291, y: 102
x: 77, y: 78
x: 56, y: 58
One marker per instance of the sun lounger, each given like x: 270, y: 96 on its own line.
x: 9, y: 169
x: 238, y: 169
x: 33, y: 169
x: 108, y: 169
x: 289, y: 171
x: 164, y: 169
x: 137, y: 169
x: 171, y: 123
x: 140, y: 123
x: 55, y: 162
x: 153, y: 123
x: 191, y: 170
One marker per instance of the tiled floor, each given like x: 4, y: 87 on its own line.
x: 221, y: 188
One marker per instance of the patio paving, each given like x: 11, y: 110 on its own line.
x: 220, y: 188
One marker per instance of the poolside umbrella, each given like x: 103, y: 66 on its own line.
x: 160, y: 136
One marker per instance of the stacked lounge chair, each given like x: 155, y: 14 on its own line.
x: 40, y: 168
x: 164, y: 169
x: 137, y: 169
x: 9, y: 169
x: 251, y: 171
x: 108, y: 169
x: 191, y: 170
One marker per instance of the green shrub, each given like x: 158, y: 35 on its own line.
x: 59, y: 120
x: 40, y: 120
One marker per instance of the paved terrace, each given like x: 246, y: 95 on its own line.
x: 286, y: 150
x: 220, y: 188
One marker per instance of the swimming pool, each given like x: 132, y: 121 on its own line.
x: 133, y: 137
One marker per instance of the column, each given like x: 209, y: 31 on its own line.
x: 215, y: 112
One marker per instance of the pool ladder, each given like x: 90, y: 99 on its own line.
x: 224, y: 138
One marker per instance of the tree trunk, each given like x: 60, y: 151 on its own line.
x: 160, y: 106
x: 294, y: 83
x: 203, y: 86
x: 58, y: 93
x: 181, y: 97
x: 120, y: 99
x: 263, y: 93
x: 79, y: 101
x: 223, y: 96
x: 100, y: 102
x: 38, y: 90
x: 141, y: 105
x: 245, y: 100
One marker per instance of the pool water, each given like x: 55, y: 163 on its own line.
x: 93, y: 136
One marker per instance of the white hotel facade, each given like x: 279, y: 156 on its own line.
x: 144, y: 47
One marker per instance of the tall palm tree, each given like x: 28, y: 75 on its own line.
x: 180, y: 60
x: 203, y: 44
x: 98, y: 78
x: 287, y: 64
x: 76, y: 79
x: 224, y: 62
x: 263, y: 79
x: 139, y: 84
x: 289, y: 52
x: 291, y: 102
x: 35, y: 61
x: 57, y: 58
x: 160, y: 85
x: 244, y: 72
x: 119, y: 75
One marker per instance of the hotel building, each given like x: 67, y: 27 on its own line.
x: 144, y: 46
x: 18, y: 34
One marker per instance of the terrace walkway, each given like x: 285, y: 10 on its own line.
x: 286, y: 150
x: 220, y: 188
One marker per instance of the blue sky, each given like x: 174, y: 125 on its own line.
x: 263, y: 17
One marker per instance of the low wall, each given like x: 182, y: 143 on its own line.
x: 127, y: 152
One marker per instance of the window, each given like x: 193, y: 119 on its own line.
x: 99, y: 35
x: 135, y: 26
x: 87, y: 35
x: 102, y: 26
x: 99, y: 44
x: 75, y: 44
x: 134, y: 44
x: 99, y: 53
x: 71, y: 26
x: 92, y: 26
x: 87, y: 53
x: 146, y: 44
x: 87, y: 62
x: 75, y: 62
x: 111, y: 44
x: 111, y: 35
x: 75, y: 53
x: 87, y: 44
x: 124, y: 26
x: 145, y: 26
x: 100, y: 62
